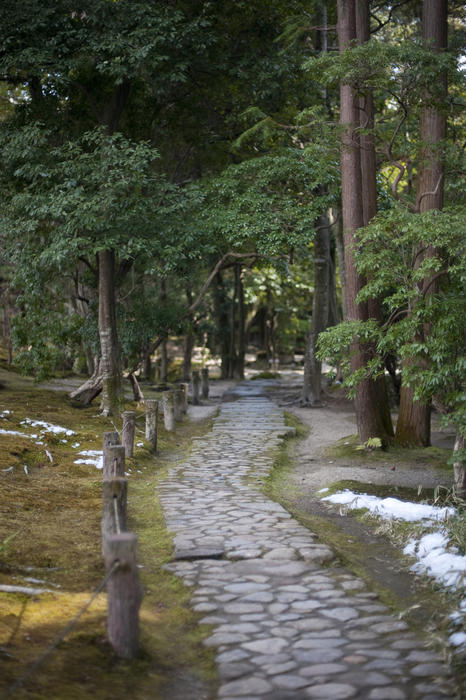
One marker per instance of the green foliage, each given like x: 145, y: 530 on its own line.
x: 268, y: 203
x: 415, y: 263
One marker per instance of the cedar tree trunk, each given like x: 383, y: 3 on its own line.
x: 368, y: 405
x: 413, y: 426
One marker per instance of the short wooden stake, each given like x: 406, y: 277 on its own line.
x: 127, y: 435
x: 178, y: 398
x: 168, y: 410
x: 185, y: 387
x: 205, y: 382
x: 109, y: 440
x: 124, y: 595
x: 152, y: 416
x: 114, y: 505
x: 196, y: 386
x: 114, y: 465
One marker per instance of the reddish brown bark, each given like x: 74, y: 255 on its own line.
x: 413, y: 426
x: 369, y: 404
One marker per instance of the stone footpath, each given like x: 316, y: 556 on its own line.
x: 285, y: 625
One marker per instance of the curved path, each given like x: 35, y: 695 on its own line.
x: 286, y: 625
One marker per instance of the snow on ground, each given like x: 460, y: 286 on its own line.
x: 435, y: 557
x: 388, y: 508
x: 13, y: 432
x: 47, y: 427
x: 94, y: 457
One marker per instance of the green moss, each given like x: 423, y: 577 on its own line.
x: 266, y: 374
x: 348, y: 448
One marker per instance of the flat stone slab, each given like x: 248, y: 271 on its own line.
x: 198, y: 553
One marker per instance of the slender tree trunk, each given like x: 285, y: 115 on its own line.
x: 112, y: 393
x: 340, y: 247
x: 366, y: 403
x: 378, y: 387
x: 189, y: 341
x: 414, y: 418
x: 163, y: 345
x: 222, y: 325
x: 241, y: 343
x: 459, y: 468
x: 312, y: 384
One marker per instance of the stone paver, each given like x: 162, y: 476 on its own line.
x: 285, y: 624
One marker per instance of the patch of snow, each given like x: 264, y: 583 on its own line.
x: 323, y: 490
x: 13, y: 432
x: 49, y: 455
x: 10, y: 469
x: 47, y: 427
x: 435, y: 559
x: 388, y: 508
x: 94, y: 457
x: 4, y: 413
x: 139, y: 444
x: 76, y: 445
x: 26, y: 470
x: 458, y: 639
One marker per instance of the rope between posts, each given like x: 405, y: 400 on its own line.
x: 117, y: 519
x: 17, y: 684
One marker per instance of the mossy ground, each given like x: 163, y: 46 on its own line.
x: 53, y: 512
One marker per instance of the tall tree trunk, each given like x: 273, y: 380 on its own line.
x: 340, y: 248
x: 112, y: 393
x: 312, y: 379
x: 189, y: 340
x: 222, y: 326
x: 163, y: 344
x: 366, y: 402
x: 459, y: 468
x: 240, y: 326
x: 369, y: 206
x: 414, y: 418
x: 312, y: 384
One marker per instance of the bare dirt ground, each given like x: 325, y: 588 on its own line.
x: 336, y: 420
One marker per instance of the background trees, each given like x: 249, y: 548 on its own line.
x: 151, y: 148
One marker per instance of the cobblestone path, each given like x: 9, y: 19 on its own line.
x: 285, y: 623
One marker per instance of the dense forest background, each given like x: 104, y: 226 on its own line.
x: 279, y: 176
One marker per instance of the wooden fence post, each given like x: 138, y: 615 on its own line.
x: 185, y: 387
x: 168, y: 410
x: 124, y: 595
x: 109, y: 440
x: 205, y: 382
x: 114, y: 464
x: 196, y: 384
x: 114, y: 502
x: 178, y: 399
x: 152, y: 413
x: 127, y: 434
